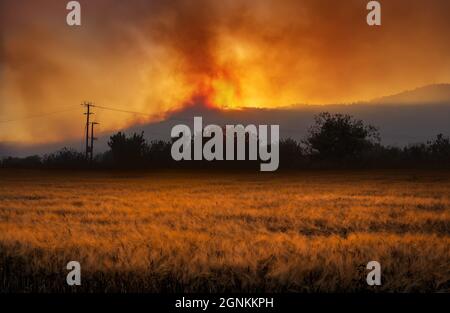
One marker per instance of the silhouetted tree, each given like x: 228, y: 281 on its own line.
x: 158, y: 154
x: 440, y: 148
x: 340, y: 137
x: 291, y: 153
x: 416, y: 152
x: 128, y: 151
x: 333, y: 138
x: 65, y: 158
x: 33, y: 161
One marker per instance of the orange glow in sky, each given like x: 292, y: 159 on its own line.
x: 154, y: 56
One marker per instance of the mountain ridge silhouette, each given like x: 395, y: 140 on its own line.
x: 400, y: 124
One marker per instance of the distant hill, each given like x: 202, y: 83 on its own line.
x: 439, y: 93
x: 406, y: 118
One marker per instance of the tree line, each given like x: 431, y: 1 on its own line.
x: 334, y: 140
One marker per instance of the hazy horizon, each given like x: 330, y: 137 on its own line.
x: 400, y: 123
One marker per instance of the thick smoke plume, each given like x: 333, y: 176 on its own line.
x: 155, y: 56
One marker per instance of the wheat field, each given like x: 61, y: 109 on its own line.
x: 225, y: 232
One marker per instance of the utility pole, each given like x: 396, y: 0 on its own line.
x: 92, y: 140
x: 88, y: 113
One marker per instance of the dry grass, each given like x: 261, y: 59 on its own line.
x: 190, y: 232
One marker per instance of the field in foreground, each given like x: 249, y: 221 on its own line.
x: 190, y: 232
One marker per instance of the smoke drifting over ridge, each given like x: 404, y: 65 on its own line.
x: 154, y: 56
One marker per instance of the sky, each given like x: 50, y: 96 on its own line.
x: 158, y: 56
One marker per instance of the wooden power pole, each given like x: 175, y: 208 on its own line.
x: 91, y: 150
x: 88, y: 113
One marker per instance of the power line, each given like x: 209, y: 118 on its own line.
x: 96, y: 106
x: 158, y: 133
x: 123, y: 111
x: 137, y: 113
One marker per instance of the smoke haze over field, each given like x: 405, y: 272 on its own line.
x: 154, y: 56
